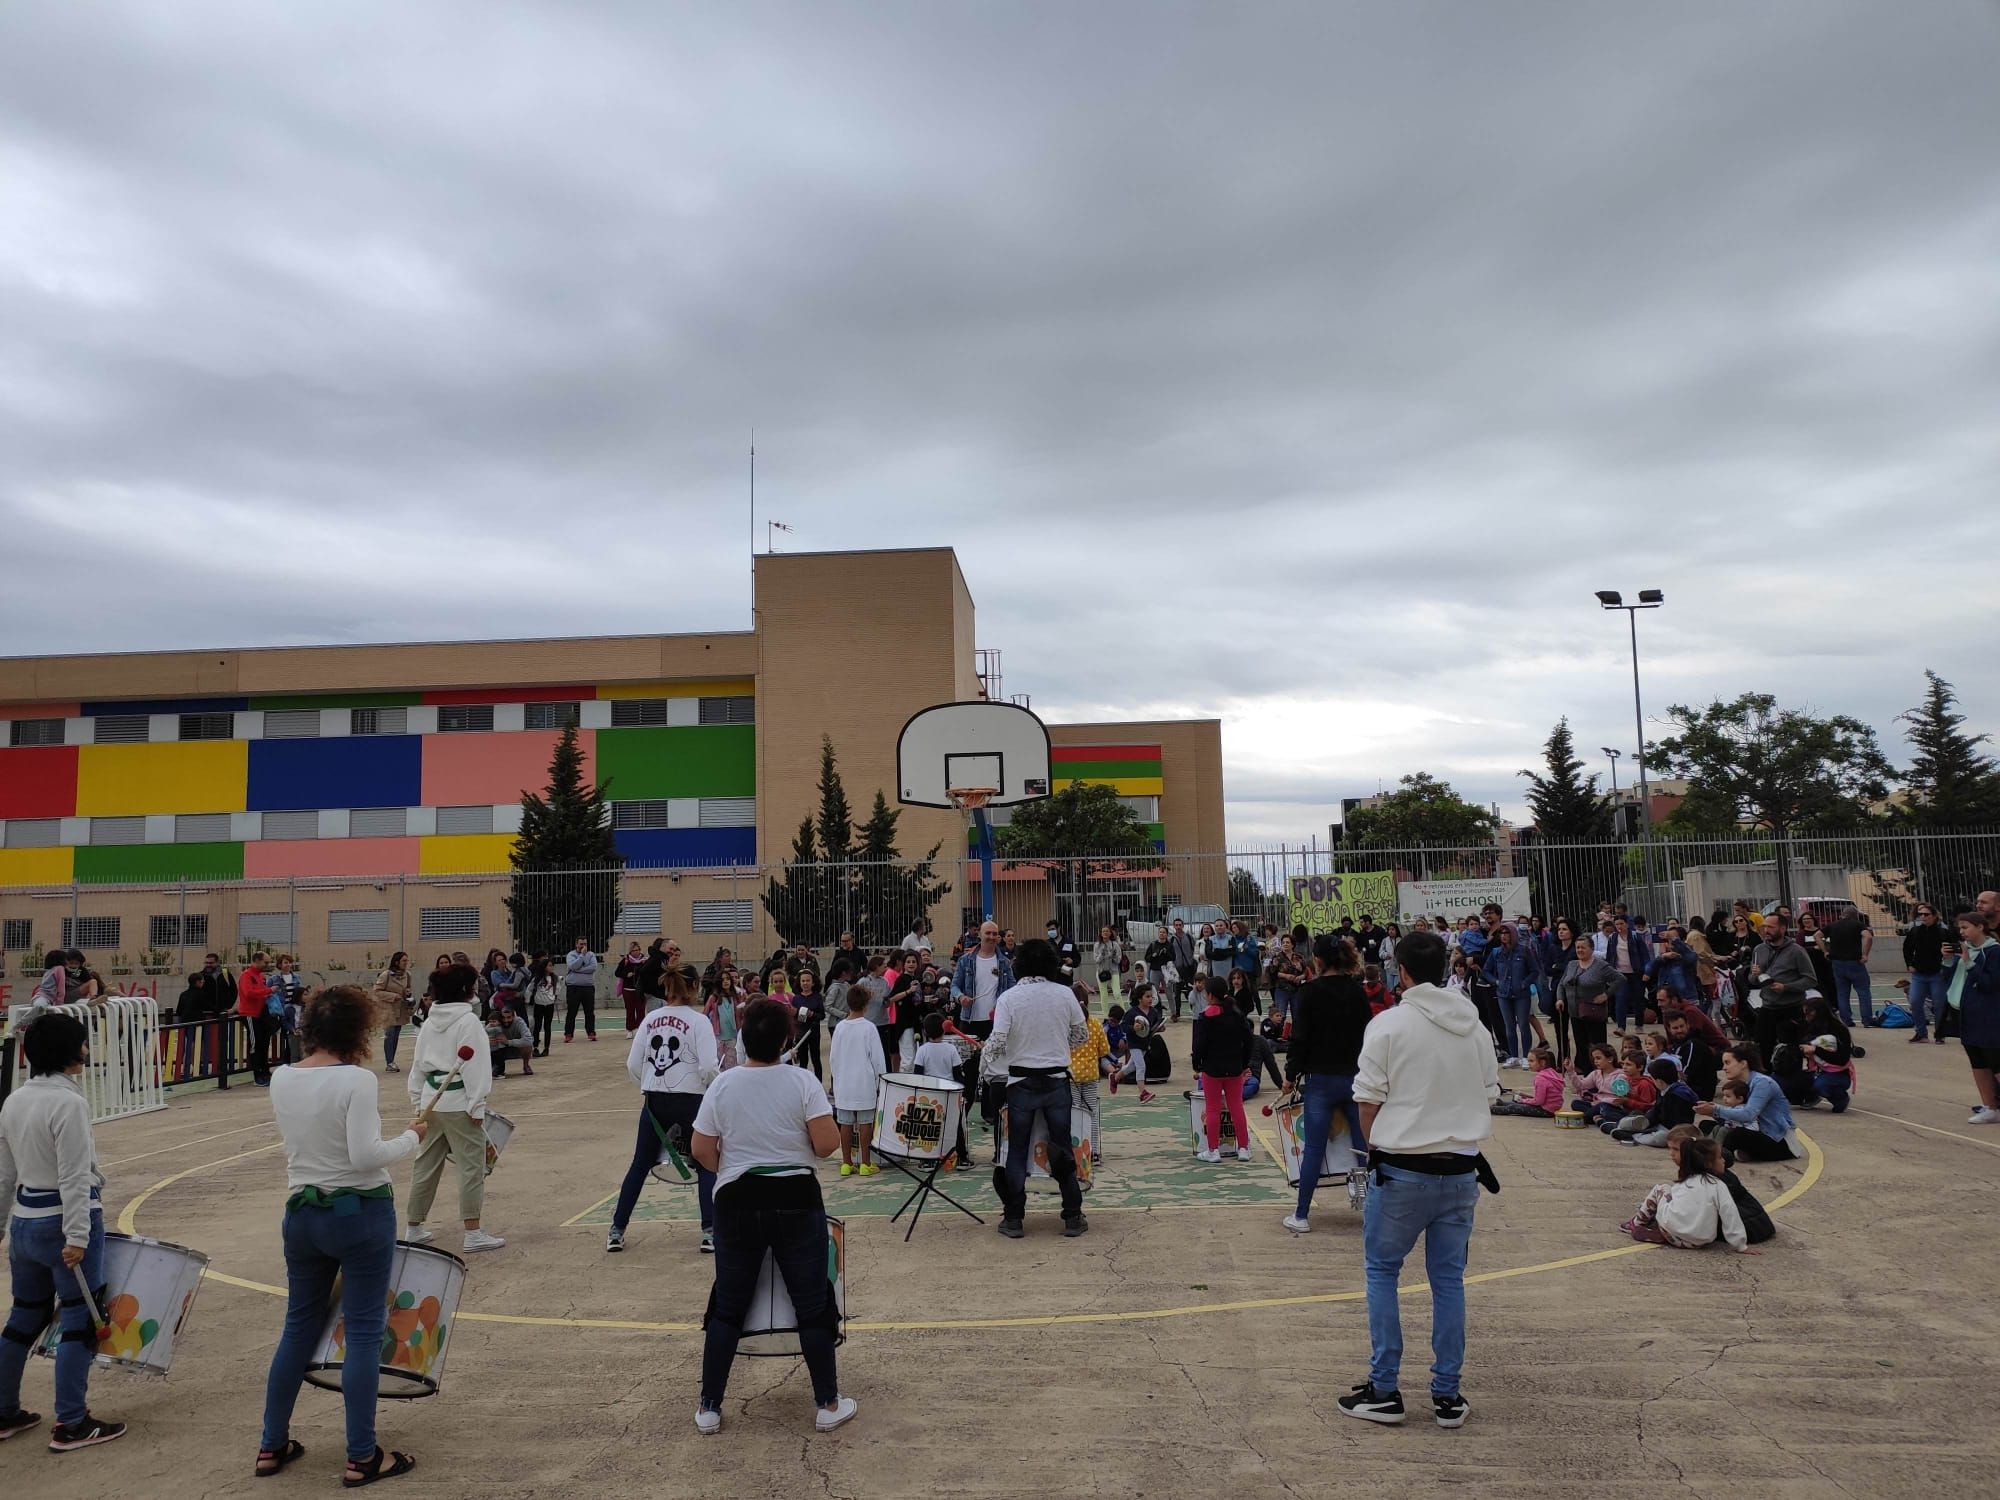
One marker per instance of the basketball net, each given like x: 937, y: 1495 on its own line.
x: 971, y: 798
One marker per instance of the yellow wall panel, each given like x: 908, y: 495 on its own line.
x: 464, y: 853
x: 733, y: 687
x: 198, y: 776
x: 37, y: 866
x: 1126, y: 786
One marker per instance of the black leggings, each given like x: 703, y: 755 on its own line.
x: 544, y: 1028
x: 1754, y: 1145
x: 582, y: 997
x: 264, y: 1033
x: 1589, y: 1032
x: 807, y: 1055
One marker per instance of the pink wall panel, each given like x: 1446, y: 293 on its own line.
x: 278, y: 858
x: 464, y: 770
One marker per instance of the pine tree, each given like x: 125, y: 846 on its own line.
x: 805, y: 898
x: 835, y: 828
x: 1953, y: 784
x: 565, y: 860
x: 888, y: 894
x: 1566, y: 805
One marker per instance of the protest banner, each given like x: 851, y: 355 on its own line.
x: 1318, y: 902
x: 1452, y: 899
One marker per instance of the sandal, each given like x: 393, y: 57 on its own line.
x: 277, y: 1458
x: 399, y: 1463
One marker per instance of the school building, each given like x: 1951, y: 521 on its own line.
x: 347, y: 773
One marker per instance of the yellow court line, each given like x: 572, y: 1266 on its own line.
x: 1931, y: 1129
x: 1815, y: 1166
x: 575, y: 1219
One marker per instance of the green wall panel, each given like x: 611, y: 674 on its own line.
x: 1102, y: 770
x: 714, y: 760
x: 340, y: 700
x: 148, y: 862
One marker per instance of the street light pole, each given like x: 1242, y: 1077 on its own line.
x: 1648, y: 599
x: 1611, y: 753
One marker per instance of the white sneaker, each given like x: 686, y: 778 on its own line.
x: 418, y: 1235
x: 479, y: 1239
x: 843, y: 1410
x: 1297, y: 1225
x: 1208, y: 1156
x: 1984, y: 1116
x: 707, y: 1423
x: 1243, y: 1153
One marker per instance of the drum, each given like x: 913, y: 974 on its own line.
x: 1040, y: 1178
x: 149, y: 1286
x: 425, y: 1284
x: 1198, y: 1126
x: 499, y: 1130
x: 1334, y: 1166
x: 771, y: 1327
x: 917, y: 1118
x: 1569, y: 1119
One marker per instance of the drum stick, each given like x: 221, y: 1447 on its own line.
x: 465, y: 1056
x: 89, y: 1300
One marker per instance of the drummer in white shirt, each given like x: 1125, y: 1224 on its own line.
x: 1036, y: 1026
x: 340, y: 1226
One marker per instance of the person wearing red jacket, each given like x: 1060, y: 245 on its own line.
x: 253, y: 995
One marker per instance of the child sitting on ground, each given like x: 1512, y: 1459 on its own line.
x: 1674, y: 1106
x: 1634, y: 1099
x: 1689, y: 1211
x: 1545, y: 1098
x: 1374, y: 990
x: 1594, y: 1088
x: 856, y: 1060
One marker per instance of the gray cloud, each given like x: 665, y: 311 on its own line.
x: 1309, y: 365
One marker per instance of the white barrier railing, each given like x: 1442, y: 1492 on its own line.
x: 123, y: 1075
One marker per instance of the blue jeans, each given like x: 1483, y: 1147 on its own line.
x: 1850, y: 977
x: 1831, y: 1087
x: 1322, y: 1093
x: 797, y: 1241
x: 1629, y: 999
x: 670, y: 1110
x: 1025, y: 1097
x: 1517, y: 1034
x: 1927, y: 992
x: 357, y: 1243
x: 34, y: 1254
x: 1402, y: 1206
x: 391, y: 1035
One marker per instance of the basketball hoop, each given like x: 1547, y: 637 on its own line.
x: 971, y: 798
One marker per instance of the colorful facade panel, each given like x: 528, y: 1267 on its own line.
x: 38, y: 782
x: 37, y: 866
x: 360, y: 771
x: 278, y: 859
x: 717, y: 760
x: 159, y: 862
x: 193, y: 776
x: 668, y: 848
x: 464, y: 853
x: 460, y: 770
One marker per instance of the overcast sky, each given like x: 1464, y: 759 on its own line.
x: 1307, y: 366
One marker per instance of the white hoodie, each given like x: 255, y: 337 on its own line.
x: 1428, y: 1063
x: 445, y: 1030
x: 673, y: 1052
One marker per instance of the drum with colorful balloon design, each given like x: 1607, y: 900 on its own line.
x: 425, y: 1284
x: 149, y: 1286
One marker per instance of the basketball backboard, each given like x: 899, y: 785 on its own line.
x: 961, y: 745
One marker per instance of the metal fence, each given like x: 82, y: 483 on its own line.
x: 143, y: 938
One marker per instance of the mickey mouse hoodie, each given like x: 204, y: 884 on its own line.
x: 674, y: 1052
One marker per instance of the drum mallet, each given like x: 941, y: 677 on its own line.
x: 1290, y: 1096
x: 97, y: 1325
x: 465, y: 1055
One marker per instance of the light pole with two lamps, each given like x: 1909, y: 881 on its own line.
x: 1648, y: 599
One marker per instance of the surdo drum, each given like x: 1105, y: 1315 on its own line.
x: 771, y: 1327
x: 149, y: 1286
x: 425, y: 1285
x: 917, y: 1118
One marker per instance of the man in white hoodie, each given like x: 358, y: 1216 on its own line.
x: 458, y: 1128
x: 1426, y: 1080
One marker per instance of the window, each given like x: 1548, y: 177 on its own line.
x: 728, y: 710
x: 638, y: 917
x: 378, y: 721
x: 551, y: 715
x: 437, y: 924
x: 638, y: 815
x: 118, y: 830
x: 201, y: 828
x: 728, y: 812
x: 465, y: 718
x: 1146, y: 809
x: 635, y: 713
x: 90, y: 932
x: 122, y: 729
x: 378, y: 823
x: 277, y: 928
x: 17, y: 934
x: 207, y: 726
x: 290, y: 724
x: 177, y: 931
x: 722, y: 916
x: 35, y: 732
x: 358, y: 926
x: 33, y: 833
x: 299, y: 823
x: 465, y: 820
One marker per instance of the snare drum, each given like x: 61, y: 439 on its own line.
x: 499, y: 1130
x: 1198, y: 1126
x: 425, y: 1284
x: 149, y: 1286
x: 917, y: 1118
x: 1569, y: 1119
x: 771, y: 1327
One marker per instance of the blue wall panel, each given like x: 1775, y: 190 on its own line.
x: 685, y: 847
x: 365, y: 771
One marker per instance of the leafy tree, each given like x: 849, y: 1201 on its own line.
x: 1566, y: 804
x: 566, y: 859
x: 1422, y: 811
x: 1246, y: 893
x: 1704, y: 813
x: 1082, y: 818
x: 1778, y: 768
x: 1952, y: 782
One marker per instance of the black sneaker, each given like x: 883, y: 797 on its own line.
x: 18, y: 1423
x: 66, y: 1436
x: 1012, y: 1229
x: 1371, y: 1405
x: 1074, y: 1227
x: 1450, y: 1411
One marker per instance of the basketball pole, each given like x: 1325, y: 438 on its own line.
x: 985, y: 827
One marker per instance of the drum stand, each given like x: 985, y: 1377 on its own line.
x: 924, y: 1175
